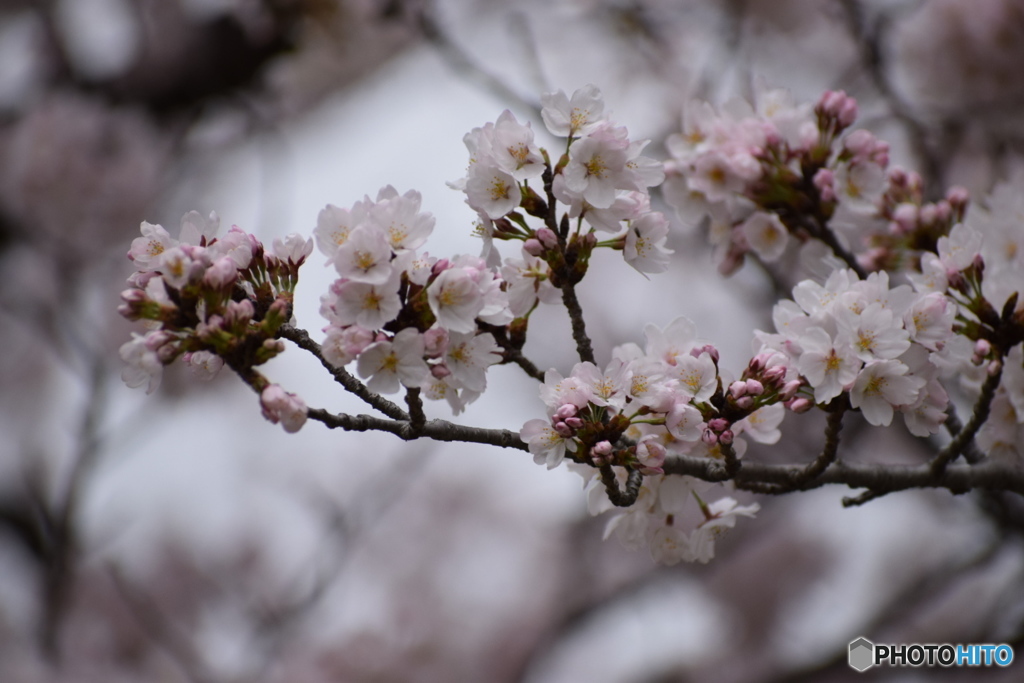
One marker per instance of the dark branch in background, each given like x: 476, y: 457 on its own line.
x: 869, y: 39
x: 463, y: 64
x: 302, y: 339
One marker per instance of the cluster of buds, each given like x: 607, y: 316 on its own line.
x: 766, y: 172
x: 906, y: 226
x: 208, y: 300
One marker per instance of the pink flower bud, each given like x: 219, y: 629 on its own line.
x: 929, y: 214
x: 994, y: 367
x: 905, y: 216
x: 221, y: 274
x: 441, y: 265
x: 825, y: 182
x: 566, y: 410
x: 754, y: 388
x: 799, y: 405
x: 726, y: 437
x: 562, y: 429
x: 651, y: 455
x: 547, y: 237
x: 281, y: 406
x: 745, y: 403
x: 440, y: 371
x: 718, y: 424
x: 574, y: 422
x: 982, y: 348
x: 709, y: 437
x: 790, y: 388
x: 435, y: 341
x: 738, y: 389
x: 274, y: 345
x: 708, y: 349
x: 958, y: 197
x: 602, y: 448
x: 847, y: 113
x: 774, y: 374
x: 533, y: 247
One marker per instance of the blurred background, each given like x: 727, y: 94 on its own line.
x: 180, y: 537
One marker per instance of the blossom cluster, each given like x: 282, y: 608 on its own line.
x: 766, y: 171
x: 212, y: 301
x: 407, y: 319
x: 668, y: 398
x: 602, y: 180
x: 882, y: 346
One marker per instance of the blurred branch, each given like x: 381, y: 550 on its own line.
x: 869, y: 38
x: 461, y: 62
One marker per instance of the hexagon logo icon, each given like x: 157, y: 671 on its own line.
x: 862, y: 654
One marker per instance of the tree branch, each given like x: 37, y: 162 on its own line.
x: 880, y: 478
x: 302, y: 339
x: 965, y: 436
x: 579, y: 329
x: 438, y: 430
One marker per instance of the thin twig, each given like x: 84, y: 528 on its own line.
x: 463, y: 64
x: 302, y: 339
x: 513, y: 353
x: 438, y: 430
x: 966, y: 435
x: 833, y: 427
x: 954, y: 426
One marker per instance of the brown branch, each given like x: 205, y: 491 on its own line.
x: 965, y: 436
x: 954, y: 426
x: 579, y: 329
x: 417, y: 418
x: 302, y: 339
x: 438, y: 430
x: 881, y: 478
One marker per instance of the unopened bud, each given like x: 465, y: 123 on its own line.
x: 566, y: 410
x: 718, y: 424
x: 754, y: 388
x: 790, y: 388
x: 533, y: 247
x: 738, y: 389
x: 547, y: 237
x: 799, y: 405
x: 726, y: 437
x: 562, y: 429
